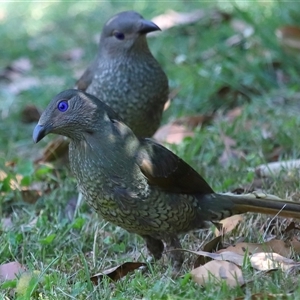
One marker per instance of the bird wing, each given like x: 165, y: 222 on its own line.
x: 168, y: 172
x: 86, y: 78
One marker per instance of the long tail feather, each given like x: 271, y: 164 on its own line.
x: 225, y: 205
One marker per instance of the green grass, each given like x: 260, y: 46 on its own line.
x: 42, y: 237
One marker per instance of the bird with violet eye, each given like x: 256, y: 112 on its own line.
x: 138, y: 184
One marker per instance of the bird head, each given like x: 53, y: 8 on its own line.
x: 71, y: 113
x: 124, y: 30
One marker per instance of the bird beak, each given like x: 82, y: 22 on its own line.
x: 148, y: 26
x: 40, y: 131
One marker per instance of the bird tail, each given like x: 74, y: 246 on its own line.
x: 224, y: 205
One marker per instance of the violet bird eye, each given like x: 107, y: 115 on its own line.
x: 63, y: 106
x: 119, y: 35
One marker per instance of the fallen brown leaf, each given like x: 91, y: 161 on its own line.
x: 117, y: 272
x: 289, y: 37
x: 211, y: 246
x: 16, y: 69
x: 22, y: 84
x: 244, y: 30
x: 6, y: 223
x: 276, y: 168
x: 30, y: 113
x: 242, y: 27
x: 55, y: 149
x: 173, y: 18
x: 234, y: 40
x: 230, y: 256
x: 291, y: 226
x: 229, y: 224
x: 22, y: 64
x: 283, y: 248
x: 177, y: 130
x: 194, y: 121
x: 172, y: 134
x: 269, y: 260
x: 234, y: 113
x: 74, y: 54
x: 10, y: 270
x: 275, y: 154
x: 229, y: 153
x: 218, y: 271
x: 30, y: 195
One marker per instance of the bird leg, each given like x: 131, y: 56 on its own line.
x: 177, y: 257
x: 154, y: 246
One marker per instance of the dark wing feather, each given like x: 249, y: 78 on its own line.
x: 168, y: 172
x: 86, y: 78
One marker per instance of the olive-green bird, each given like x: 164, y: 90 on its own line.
x: 126, y: 76
x: 138, y: 184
